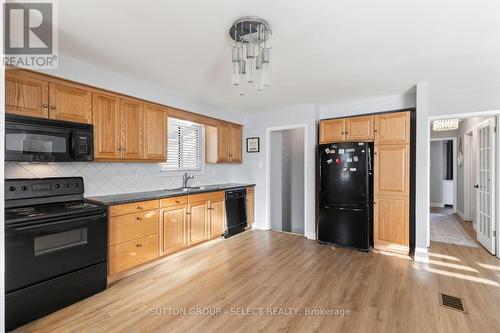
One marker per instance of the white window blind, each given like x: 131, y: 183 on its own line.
x: 184, y: 146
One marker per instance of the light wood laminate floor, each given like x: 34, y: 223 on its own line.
x: 265, y: 269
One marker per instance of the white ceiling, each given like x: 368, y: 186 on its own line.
x: 324, y: 51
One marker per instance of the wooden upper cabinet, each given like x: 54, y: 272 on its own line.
x: 107, y: 126
x: 392, y: 128
x: 360, y: 128
x: 26, y: 95
x: 223, y: 143
x: 175, y: 228
x: 132, y: 114
x: 332, y: 130
x: 392, y: 169
x: 198, y: 224
x: 235, y: 143
x: 391, y: 216
x: 155, y: 133
x: 217, y: 218
x: 70, y: 102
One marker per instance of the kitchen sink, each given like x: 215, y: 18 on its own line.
x: 185, y: 189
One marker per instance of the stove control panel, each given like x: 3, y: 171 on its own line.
x: 42, y: 187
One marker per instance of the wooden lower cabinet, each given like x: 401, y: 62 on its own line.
x: 142, y: 231
x: 250, y: 206
x: 133, y: 253
x: 132, y: 226
x: 391, y: 216
x: 198, y: 222
x: 175, y: 228
x: 217, y: 218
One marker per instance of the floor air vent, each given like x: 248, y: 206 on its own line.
x: 452, y: 302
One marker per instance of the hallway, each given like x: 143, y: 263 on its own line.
x: 447, y: 227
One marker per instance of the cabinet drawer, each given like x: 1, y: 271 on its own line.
x: 168, y: 202
x: 207, y: 196
x: 133, y: 207
x: 133, y: 253
x: 132, y: 226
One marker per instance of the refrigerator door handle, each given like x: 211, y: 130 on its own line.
x: 351, y: 209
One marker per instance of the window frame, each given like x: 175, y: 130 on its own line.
x: 163, y: 169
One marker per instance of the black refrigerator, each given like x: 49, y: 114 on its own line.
x: 345, y: 194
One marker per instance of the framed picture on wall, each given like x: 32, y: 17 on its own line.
x: 253, y: 145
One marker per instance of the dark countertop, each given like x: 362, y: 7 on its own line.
x: 117, y: 199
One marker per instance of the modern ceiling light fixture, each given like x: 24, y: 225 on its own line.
x: 250, y: 54
x: 445, y: 125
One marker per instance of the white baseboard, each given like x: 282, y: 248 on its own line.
x: 435, y: 204
x: 421, y: 254
x: 311, y: 235
x: 461, y: 214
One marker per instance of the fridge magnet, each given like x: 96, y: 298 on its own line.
x: 353, y: 169
x: 253, y: 145
x: 349, y: 160
x: 341, y: 151
x: 327, y: 150
x: 355, y: 158
x: 350, y: 150
x: 329, y: 161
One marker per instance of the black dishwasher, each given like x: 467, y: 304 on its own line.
x: 236, y: 212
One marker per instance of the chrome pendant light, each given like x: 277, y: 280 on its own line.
x: 250, y: 53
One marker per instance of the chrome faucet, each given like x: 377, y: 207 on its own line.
x: 185, y: 179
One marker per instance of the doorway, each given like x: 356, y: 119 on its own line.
x: 473, y: 144
x: 286, y: 180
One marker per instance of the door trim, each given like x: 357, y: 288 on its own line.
x: 268, y: 176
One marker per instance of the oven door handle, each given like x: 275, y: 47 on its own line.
x: 80, y: 219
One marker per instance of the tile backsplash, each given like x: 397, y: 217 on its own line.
x: 111, y: 178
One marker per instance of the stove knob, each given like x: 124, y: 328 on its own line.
x: 12, y: 188
x: 57, y: 186
x: 24, y: 188
x: 66, y: 185
x: 75, y: 185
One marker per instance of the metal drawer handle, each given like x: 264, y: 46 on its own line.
x: 45, y: 105
x: 53, y: 107
x: 139, y: 218
x: 138, y: 245
x: 188, y: 213
x: 139, y: 207
x: 177, y: 201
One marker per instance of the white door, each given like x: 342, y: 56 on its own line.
x: 485, y: 193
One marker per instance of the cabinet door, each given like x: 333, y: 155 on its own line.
x: 174, y: 228
x: 250, y: 206
x: 332, y: 130
x: 198, y: 225
x: 391, y: 128
x: 107, y: 126
x: 392, y: 168
x: 132, y: 115
x: 235, y: 144
x: 359, y: 128
x: 217, y: 218
x: 26, y: 95
x: 391, y: 220
x: 155, y: 133
x: 223, y: 144
x: 70, y: 102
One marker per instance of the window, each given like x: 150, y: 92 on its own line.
x: 184, y: 146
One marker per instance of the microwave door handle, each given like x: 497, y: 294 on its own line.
x: 72, y: 222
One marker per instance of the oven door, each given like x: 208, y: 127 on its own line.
x: 38, y: 252
x: 27, y: 143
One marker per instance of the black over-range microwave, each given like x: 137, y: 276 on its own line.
x: 29, y: 139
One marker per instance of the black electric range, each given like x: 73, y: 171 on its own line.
x: 55, y: 247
